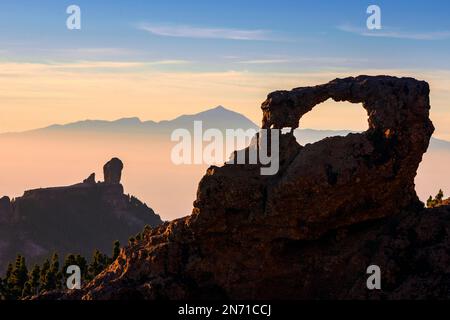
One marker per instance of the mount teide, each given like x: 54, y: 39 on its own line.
x: 40, y: 157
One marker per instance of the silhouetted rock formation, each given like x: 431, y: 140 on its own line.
x: 5, y: 210
x: 340, y: 181
x: 72, y: 219
x: 310, y: 232
x: 90, y: 179
x: 112, y: 171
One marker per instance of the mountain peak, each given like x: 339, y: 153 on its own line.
x: 129, y: 121
x: 218, y: 109
x: 217, y: 117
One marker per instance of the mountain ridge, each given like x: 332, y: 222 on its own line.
x: 312, y: 231
x: 218, y: 115
x: 209, y: 116
x: 53, y: 219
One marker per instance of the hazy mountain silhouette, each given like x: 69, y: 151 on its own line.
x: 219, y: 117
x: 146, y: 147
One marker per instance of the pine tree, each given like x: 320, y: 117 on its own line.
x: 6, y: 287
x: 18, y: 277
x: 56, y: 274
x: 43, y: 277
x: 49, y: 276
x: 430, y: 202
x: 440, y: 196
x: 116, y: 250
x: 33, y: 278
x: 437, y: 201
x: 2, y: 290
x: 99, y: 262
x: 27, y: 290
x: 19, y: 283
x: 82, y: 263
x: 70, y: 260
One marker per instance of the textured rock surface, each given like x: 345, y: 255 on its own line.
x: 334, y: 208
x: 332, y: 183
x: 112, y: 171
x: 411, y: 248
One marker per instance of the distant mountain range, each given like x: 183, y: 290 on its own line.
x: 218, y: 118
x: 64, y: 152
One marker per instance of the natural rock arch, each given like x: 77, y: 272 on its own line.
x: 334, y: 182
x: 390, y: 102
x: 331, y: 118
x: 246, y: 236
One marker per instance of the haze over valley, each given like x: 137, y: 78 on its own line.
x: 61, y: 154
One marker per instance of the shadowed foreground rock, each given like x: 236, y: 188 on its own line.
x: 309, y: 232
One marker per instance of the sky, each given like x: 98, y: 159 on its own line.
x: 159, y: 59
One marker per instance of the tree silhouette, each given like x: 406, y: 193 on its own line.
x: 437, y: 201
x: 33, y: 279
x: 116, y: 250
x: 18, y: 277
x: 19, y: 283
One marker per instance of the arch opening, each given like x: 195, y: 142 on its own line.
x: 329, y: 119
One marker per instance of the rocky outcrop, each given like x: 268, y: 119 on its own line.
x: 73, y: 219
x: 112, y: 171
x: 411, y: 249
x: 335, y: 182
x: 310, y: 231
x: 90, y: 179
x: 5, y: 210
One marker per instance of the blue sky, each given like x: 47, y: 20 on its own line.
x: 287, y: 34
x: 164, y: 58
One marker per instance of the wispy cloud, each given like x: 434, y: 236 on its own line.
x: 309, y: 61
x: 97, y: 51
x: 169, y: 62
x: 17, y: 69
x: 97, y: 65
x: 265, y: 61
x: 390, y: 33
x: 185, y: 31
x: 34, y: 94
x: 116, y: 64
x: 74, y: 53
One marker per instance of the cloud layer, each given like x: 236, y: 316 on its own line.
x: 390, y: 33
x: 185, y: 31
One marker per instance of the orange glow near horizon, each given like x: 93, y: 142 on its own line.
x: 37, y: 95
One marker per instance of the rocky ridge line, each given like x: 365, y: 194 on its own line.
x: 310, y: 232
